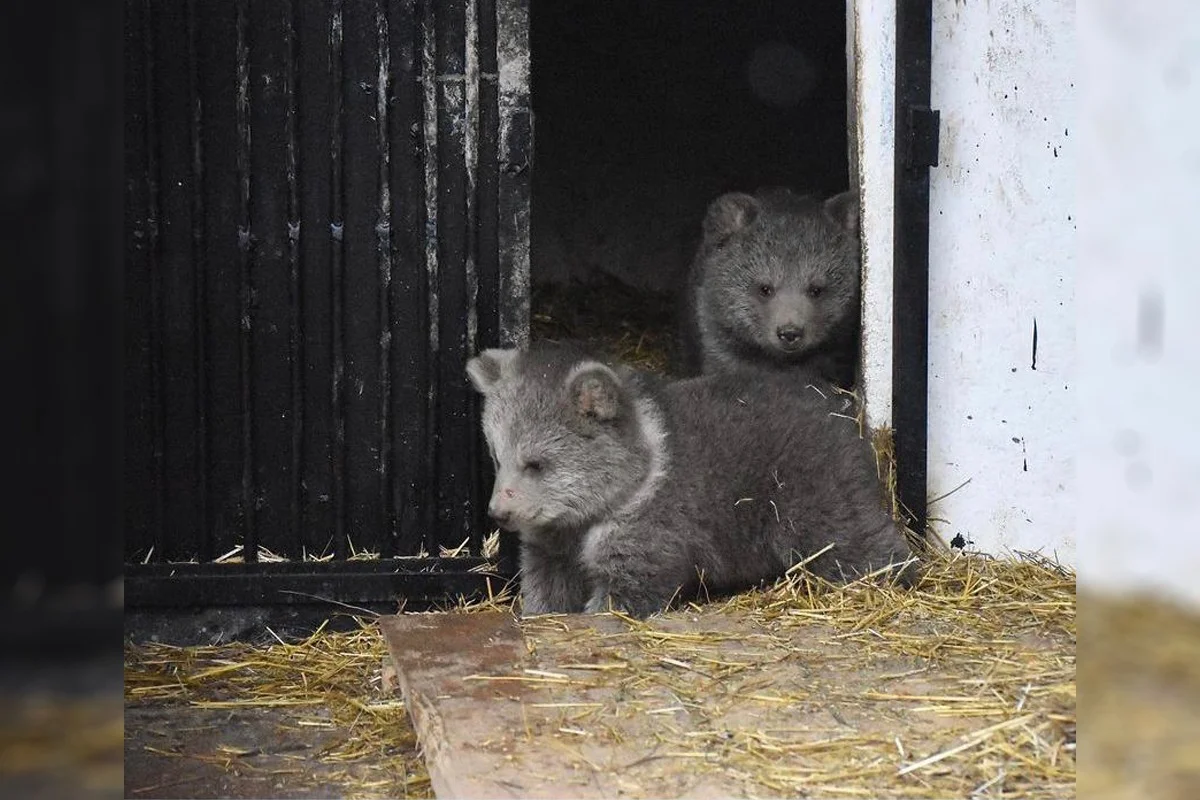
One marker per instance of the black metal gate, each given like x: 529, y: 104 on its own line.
x: 326, y: 214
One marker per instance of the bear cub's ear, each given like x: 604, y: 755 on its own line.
x: 595, y: 391
x: 842, y: 210
x: 729, y: 214
x: 489, y: 367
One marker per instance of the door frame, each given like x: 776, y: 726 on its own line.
x: 893, y: 141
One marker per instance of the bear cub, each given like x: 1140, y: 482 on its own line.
x: 628, y: 490
x: 776, y: 282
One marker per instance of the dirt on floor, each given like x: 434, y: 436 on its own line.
x: 175, y: 750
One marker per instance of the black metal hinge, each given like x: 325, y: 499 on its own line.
x: 924, y: 124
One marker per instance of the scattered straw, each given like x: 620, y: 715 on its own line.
x: 330, y: 681
x: 964, y: 685
x: 236, y: 555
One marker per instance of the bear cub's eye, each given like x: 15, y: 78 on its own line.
x: 532, y: 466
x: 815, y: 291
x: 766, y: 289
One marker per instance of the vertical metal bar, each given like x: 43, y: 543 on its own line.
x: 200, y: 290
x: 216, y: 54
x: 453, y: 267
x: 245, y: 266
x: 471, y: 136
x: 487, y: 250
x: 272, y: 296
x: 433, y: 231
x: 313, y: 121
x: 173, y: 116
x: 383, y: 230
x: 296, y: 298
x: 336, y: 228
x: 470, y: 156
x: 910, y: 293
x: 515, y: 160
x: 158, y: 389
x: 361, y: 274
x: 138, y: 442
x: 516, y: 155
x: 409, y: 303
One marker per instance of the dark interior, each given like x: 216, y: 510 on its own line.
x: 646, y: 111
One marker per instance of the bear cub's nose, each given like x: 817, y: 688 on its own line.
x: 789, y: 334
x: 501, y: 515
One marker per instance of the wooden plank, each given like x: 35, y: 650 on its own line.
x: 483, y: 721
x: 432, y: 654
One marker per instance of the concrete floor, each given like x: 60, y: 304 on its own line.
x: 182, y: 748
x: 175, y: 751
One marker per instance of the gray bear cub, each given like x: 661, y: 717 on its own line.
x: 775, y: 282
x: 628, y: 490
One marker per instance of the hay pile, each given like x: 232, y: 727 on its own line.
x: 966, y: 685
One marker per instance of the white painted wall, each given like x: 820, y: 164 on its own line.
x: 1139, y: 291
x: 1108, y: 442
x: 1002, y: 258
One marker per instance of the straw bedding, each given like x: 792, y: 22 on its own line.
x: 965, y: 685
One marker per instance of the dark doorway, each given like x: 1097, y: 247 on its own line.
x: 646, y: 111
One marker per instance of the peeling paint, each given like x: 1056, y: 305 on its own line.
x: 471, y: 148
x: 383, y: 240
x: 516, y: 154
x: 428, y: 70
x: 512, y: 43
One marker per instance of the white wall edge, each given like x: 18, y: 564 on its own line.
x: 871, y: 74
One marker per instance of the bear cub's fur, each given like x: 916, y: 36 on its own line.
x: 628, y: 490
x: 775, y: 282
